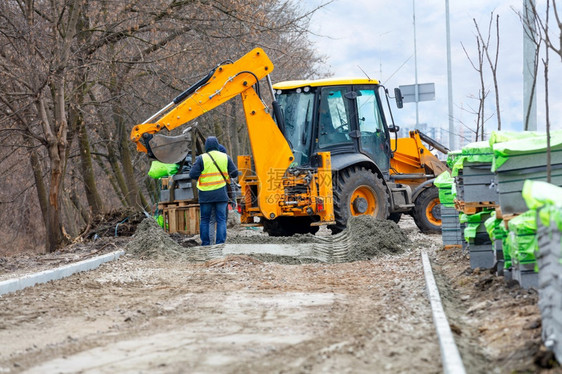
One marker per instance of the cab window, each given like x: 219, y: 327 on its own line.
x: 334, y: 118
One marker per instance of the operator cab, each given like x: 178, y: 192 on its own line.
x: 343, y: 116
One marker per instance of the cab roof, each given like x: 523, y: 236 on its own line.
x: 323, y: 82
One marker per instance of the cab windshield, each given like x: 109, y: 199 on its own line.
x: 297, y: 109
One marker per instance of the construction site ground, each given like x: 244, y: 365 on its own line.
x: 248, y: 314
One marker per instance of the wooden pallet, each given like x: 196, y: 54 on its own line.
x: 176, y: 203
x: 452, y: 246
x: 508, y: 217
x: 499, y: 214
x: 473, y: 207
x: 181, y: 218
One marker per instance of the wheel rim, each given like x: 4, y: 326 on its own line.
x: 363, y: 201
x: 433, y: 212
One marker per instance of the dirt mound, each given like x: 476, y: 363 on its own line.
x: 119, y: 222
x: 371, y: 237
x: 151, y: 242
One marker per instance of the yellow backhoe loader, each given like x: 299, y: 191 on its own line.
x: 322, y: 152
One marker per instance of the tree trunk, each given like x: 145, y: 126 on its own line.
x: 42, y: 195
x: 87, y: 170
x: 56, y: 146
x: 133, y: 194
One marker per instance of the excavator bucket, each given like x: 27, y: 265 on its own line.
x: 170, y: 149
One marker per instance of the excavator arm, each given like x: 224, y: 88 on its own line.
x: 272, y: 155
x: 224, y: 82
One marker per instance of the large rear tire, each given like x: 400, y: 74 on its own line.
x: 358, y: 191
x: 427, y: 211
x: 289, y: 226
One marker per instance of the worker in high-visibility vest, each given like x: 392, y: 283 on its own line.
x: 231, y: 200
x: 213, y: 171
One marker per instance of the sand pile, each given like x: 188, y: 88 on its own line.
x: 364, y: 238
x: 151, y: 242
x: 369, y: 237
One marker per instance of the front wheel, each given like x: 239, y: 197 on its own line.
x: 427, y: 211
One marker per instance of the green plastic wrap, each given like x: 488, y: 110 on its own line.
x: 473, y: 152
x: 160, y: 170
x: 524, y: 224
x: 547, y: 198
x: 528, y: 145
x: 475, y: 218
x: 495, y: 227
x: 454, y: 191
x: 506, y: 248
x: 473, y: 221
x: 523, y: 237
x: 537, y: 194
x: 507, y: 136
x: 452, y: 157
x: 470, y: 231
x: 444, y: 182
x: 523, y: 248
x: 446, y: 198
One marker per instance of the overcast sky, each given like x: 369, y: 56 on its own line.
x: 377, y: 36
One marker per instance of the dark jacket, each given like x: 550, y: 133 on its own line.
x: 215, y: 196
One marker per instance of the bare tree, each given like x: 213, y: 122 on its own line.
x: 76, y: 75
x: 546, y: 97
x: 483, y: 92
x: 492, y: 62
x: 543, y: 34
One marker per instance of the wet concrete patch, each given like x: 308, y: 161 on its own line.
x: 364, y: 239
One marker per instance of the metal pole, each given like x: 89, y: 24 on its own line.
x: 416, y: 88
x: 529, y: 62
x: 449, y: 80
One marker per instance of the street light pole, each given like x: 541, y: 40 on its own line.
x: 449, y: 79
x: 416, y: 88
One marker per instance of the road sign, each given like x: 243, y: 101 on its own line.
x: 426, y: 92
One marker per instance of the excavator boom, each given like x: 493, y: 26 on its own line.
x: 265, y: 174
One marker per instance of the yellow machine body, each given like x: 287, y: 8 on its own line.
x: 265, y: 179
x: 411, y: 157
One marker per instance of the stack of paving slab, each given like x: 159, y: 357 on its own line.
x: 475, y: 193
x: 524, y: 159
x: 496, y: 231
x: 546, y: 200
x: 480, y: 249
x: 474, y: 178
x: 451, y: 231
x: 522, y: 245
x: 475, y: 182
x: 549, y: 261
x: 177, y: 188
x: 511, y: 175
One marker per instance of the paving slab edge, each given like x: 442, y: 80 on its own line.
x: 16, y: 284
x: 450, y: 356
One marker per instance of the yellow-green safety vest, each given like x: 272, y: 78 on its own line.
x: 211, y: 178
